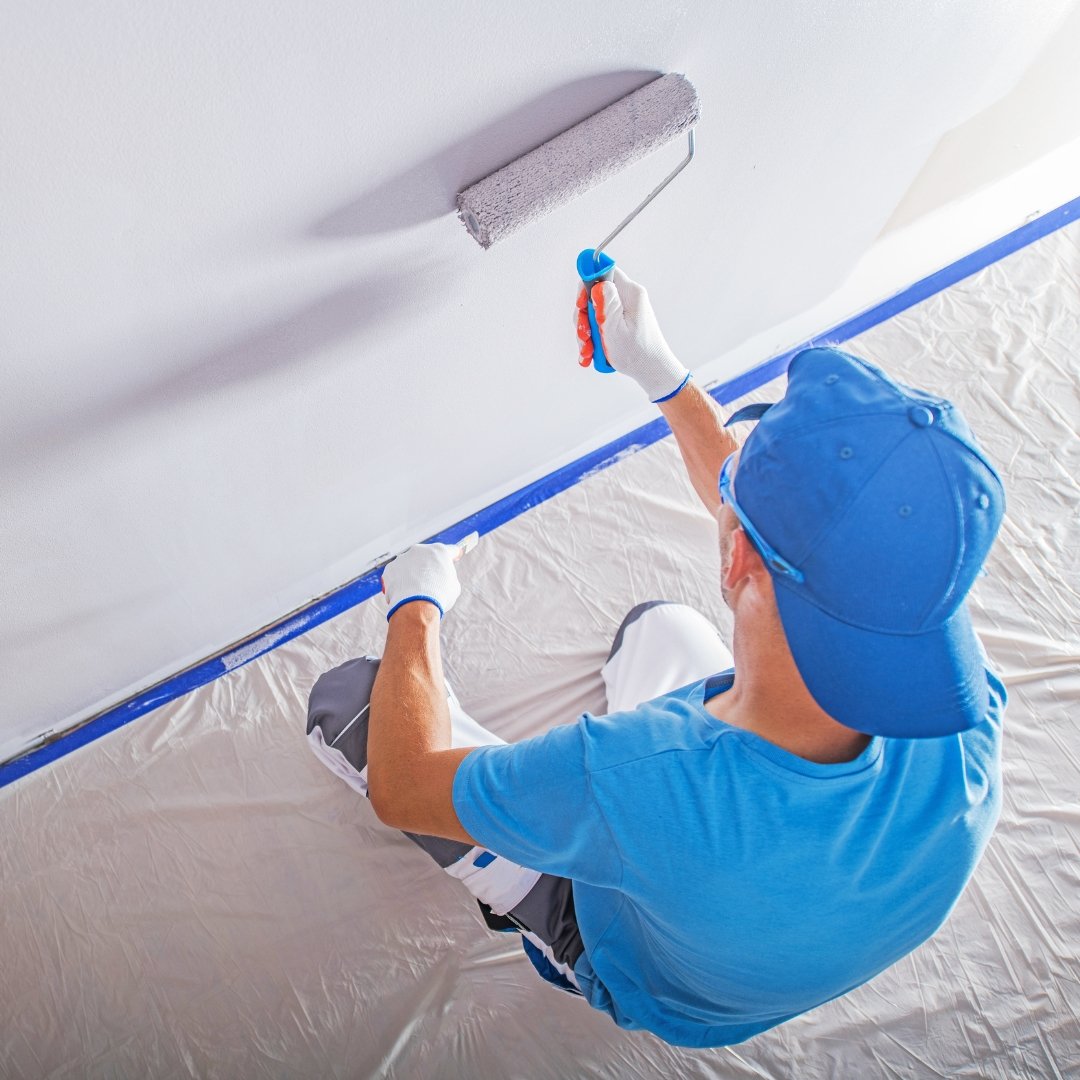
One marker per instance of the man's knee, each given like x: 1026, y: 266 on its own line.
x: 632, y: 617
x: 338, y: 706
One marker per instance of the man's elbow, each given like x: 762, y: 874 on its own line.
x: 415, y: 793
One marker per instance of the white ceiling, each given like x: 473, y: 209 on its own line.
x: 246, y: 345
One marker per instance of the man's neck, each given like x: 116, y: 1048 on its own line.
x: 825, y: 742
x: 770, y: 699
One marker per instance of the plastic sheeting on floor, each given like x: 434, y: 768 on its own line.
x: 195, y: 895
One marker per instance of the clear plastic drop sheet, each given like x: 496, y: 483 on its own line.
x: 194, y: 895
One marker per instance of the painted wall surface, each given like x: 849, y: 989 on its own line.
x: 1036, y: 118
x: 247, y: 348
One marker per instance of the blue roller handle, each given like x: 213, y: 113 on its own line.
x: 596, y: 267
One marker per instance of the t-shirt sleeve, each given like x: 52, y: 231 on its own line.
x: 532, y: 802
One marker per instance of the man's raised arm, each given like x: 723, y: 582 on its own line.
x: 635, y: 346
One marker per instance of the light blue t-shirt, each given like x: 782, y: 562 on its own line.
x: 723, y: 885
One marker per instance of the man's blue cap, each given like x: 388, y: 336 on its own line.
x: 881, y: 497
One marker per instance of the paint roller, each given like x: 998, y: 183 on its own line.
x: 576, y: 161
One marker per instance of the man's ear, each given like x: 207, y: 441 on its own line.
x: 745, y: 560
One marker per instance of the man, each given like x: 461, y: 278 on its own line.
x: 734, y: 842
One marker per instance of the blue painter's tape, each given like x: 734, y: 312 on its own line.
x: 498, y: 513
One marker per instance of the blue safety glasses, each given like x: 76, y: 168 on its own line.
x: 773, y: 559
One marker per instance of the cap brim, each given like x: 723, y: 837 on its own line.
x: 900, y: 685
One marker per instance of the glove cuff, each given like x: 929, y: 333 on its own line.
x: 667, y: 397
x: 410, y: 599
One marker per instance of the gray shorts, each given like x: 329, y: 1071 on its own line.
x: 511, y: 898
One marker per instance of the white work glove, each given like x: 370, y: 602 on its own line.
x: 632, y: 339
x: 425, y: 572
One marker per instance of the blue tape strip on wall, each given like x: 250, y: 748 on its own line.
x: 498, y: 513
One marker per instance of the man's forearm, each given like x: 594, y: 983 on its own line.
x: 694, y: 417
x: 409, y: 713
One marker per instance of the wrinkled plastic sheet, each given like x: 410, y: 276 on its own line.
x: 195, y: 895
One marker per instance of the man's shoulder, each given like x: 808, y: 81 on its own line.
x: 668, y: 726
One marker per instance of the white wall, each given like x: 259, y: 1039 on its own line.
x: 246, y: 346
x: 1035, y: 119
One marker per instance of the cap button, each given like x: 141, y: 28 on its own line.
x: 920, y: 416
